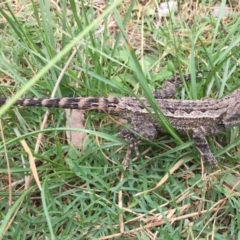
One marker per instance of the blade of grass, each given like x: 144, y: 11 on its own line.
x: 152, y: 101
x: 99, y: 134
x: 52, y: 63
x: 6, y: 222
x: 160, y: 118
x: 45, y: 207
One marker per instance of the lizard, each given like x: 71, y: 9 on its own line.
x: 199, y: 118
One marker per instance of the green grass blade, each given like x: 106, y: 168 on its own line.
x: 66, y: 49
x: 12, y: 210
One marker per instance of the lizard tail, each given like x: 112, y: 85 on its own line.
x: 83, y: 103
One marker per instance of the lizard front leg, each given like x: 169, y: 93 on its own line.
x: 202, y: 145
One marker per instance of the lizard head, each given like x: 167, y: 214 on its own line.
x: 232, y: 115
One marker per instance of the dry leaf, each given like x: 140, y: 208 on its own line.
x: 74, y: 119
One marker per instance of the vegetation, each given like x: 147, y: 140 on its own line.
x: 50, y: 189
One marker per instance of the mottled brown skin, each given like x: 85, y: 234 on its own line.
x: 198, y: 118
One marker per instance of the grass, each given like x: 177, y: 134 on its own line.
x: 76, y: 49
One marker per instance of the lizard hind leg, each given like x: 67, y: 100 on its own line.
x: 140, y: 126
x: 129, y: 136
x: 168, y: 91
x: 169, y: 87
